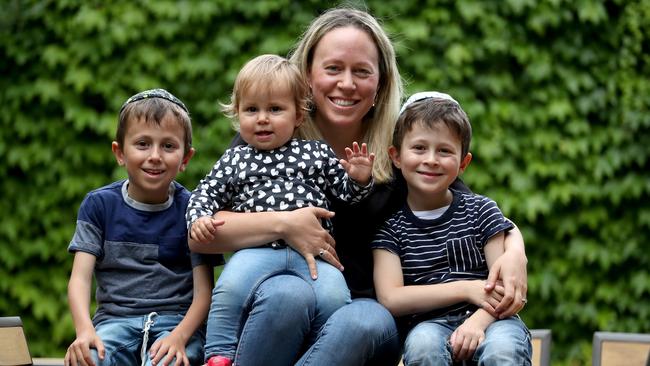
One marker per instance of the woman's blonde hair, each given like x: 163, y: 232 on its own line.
x: 381, y: 118
x: 267, y: 74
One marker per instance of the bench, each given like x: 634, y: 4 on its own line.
x: 13, y: 345
x: 541, y: 340
x: 624, y: 349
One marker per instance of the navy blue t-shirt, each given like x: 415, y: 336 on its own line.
x: 143, y: 259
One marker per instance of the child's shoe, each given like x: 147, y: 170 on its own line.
x: 218, y: 361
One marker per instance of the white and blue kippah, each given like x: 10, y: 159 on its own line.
x: 426, y: 95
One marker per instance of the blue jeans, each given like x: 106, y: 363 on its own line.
x: 507, y: 342
x: 278, y: 330
x: 237, y: 289
x: 361, y: 333
x: 123, y: 338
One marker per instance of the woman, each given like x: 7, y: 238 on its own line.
x: 351, y: 68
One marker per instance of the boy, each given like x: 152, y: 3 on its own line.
x: 272, y: 172
x: 152, y: 295
x: 432, y: 256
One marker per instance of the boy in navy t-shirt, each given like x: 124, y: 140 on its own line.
x: 152, y: 295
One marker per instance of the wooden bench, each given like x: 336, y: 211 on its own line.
x: 13, y: 345
x: 624, y: 349
x: 541, y: 340
x: 47, y: 362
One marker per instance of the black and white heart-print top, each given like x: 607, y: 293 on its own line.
x: 295, y: 175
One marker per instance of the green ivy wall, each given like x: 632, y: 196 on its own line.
x: 558, y: 92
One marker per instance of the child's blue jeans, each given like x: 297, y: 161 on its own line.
x: 507, y: 342
x: 123, y: 339
x: 239, y: 281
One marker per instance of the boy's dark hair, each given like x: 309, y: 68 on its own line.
x: 153, y: 110
x: 432, y: 111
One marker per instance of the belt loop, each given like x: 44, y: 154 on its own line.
x: 145, y: 338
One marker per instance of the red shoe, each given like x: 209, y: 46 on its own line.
x: 218, y: 361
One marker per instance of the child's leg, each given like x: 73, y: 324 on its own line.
x: 428, y: 344
x: 330, y: 289
x: 507, y: 342
x: 122, y: 338
x: 234, y: 291
x: 279, y: 322
x: 163, y: 325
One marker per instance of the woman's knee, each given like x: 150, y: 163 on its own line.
x: 332, y: 293
x: 367, y: 317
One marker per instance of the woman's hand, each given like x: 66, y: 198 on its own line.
x: 510, y: 267
x: 302, y: 230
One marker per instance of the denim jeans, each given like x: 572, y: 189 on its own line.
x: 237, y: 290
x: 278, y: 330
x: 507, y: 342
x: 361, y: 333
x: 123, y: 338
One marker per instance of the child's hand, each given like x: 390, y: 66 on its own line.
x: 79, y: 351
x: 488, y: 301
x: 466, y: 338
x: 203, y: 230
x: 166, y: 349
x: 358, y: 163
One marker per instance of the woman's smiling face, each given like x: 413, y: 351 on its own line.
x: 344, y: 76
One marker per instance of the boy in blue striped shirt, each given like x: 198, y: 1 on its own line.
x: 432, y: 256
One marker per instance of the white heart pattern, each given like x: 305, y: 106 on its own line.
x: 292, y: 176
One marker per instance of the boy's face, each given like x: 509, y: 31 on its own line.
x: 152, y: 155
x: 268, y: 120
x: 430, y: 161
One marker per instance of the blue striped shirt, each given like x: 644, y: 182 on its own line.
x: 446, y: 249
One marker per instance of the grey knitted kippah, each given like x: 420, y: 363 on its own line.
x: 155, y: 93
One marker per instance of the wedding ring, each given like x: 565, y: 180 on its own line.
x: 321, y: 252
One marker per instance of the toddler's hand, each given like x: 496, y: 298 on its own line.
x: 358, y: 163
x: 203, y: 230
